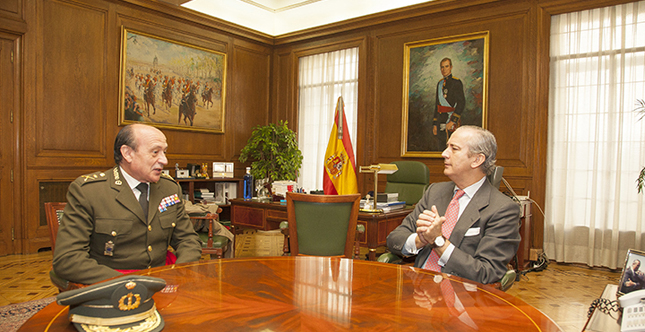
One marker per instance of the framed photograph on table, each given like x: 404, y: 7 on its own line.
x: 171, y: 84
x: 445, y: 86
x: 633, y: 276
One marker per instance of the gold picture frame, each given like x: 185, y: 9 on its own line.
x: 628, y: 273
x: 431, y: 100
x: 171, y: 84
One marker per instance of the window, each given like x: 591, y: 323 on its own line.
x: 596, y: 143
x: 322, y: 78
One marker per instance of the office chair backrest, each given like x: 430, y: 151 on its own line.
x: 495, y: 178
x: 322, y: 225
x: 410, y: 181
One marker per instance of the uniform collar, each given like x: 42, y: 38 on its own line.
x: 132, y: 182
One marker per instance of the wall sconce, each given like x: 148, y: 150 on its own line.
x: 376, y: 169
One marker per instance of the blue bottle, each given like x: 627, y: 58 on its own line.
x: 248, y: 184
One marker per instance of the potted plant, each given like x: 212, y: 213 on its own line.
x: 273, y: 150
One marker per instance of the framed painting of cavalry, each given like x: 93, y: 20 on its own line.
x: 171, y: 84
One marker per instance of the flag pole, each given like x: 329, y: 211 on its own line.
x: 340, y: 108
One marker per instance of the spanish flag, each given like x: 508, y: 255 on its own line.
x: 340, y: 167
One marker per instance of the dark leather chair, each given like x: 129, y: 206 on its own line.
x: 322, y: 225
x: 410, y: 181
x: 495, y: 178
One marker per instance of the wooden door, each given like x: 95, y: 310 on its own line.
x: 8, y: 104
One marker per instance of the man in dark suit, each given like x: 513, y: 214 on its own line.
x: 449, y: 104
x: 481, y: 234
x: 632, y: 278
x: 105, y: 227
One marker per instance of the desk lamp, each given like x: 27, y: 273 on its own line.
x: 376, y: 169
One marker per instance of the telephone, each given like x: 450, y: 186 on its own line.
x: 633, y: 305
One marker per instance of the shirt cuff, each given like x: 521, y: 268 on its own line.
x: 446, y: 255
x: 410, y: 246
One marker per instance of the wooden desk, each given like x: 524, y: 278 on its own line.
x: 268, y: 215
x: 320, y: 294
x: 600, y: 321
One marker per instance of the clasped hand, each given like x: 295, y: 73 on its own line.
x: 429, y: 226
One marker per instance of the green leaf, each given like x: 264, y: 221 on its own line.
x: 273, y: 150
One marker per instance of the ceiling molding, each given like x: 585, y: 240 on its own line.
x: 276, y: 10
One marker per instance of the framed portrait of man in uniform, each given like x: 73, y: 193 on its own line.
x: 445, y: 86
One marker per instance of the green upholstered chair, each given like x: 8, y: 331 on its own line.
x: 322, y: 225
x: 410, y: 181
x: 213, y: 245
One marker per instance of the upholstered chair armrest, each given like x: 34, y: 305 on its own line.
x: 284, y: 229
x: 360, y: 230
x: 389, y: 257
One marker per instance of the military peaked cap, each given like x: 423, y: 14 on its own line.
x: 124, y: 303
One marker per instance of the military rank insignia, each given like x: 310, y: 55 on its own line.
x: 168, y: 201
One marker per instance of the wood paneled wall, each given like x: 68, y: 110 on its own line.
x: 68, y: 55
x: 71, y: 62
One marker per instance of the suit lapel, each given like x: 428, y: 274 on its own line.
x: 125, y: 196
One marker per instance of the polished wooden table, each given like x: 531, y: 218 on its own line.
x: 321, y: 294
x: 266, y: 215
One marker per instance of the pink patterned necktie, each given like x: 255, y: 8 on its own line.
x: 452, y: 214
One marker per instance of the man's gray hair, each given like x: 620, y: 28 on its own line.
x: 483, y: 142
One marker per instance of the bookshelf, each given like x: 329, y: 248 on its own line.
x: 190, y: 185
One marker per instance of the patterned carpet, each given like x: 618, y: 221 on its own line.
x: 14, y: 315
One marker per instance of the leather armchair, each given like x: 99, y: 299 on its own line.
x: 410, y: 181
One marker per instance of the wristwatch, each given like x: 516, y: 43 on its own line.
x: 439, y: 241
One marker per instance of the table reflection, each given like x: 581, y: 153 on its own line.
x: 323, y: 288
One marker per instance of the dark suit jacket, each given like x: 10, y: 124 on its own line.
x: 103, y: 212
x: 486, y: 235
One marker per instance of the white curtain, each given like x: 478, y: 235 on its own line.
x: 596, y: 143
x: 322, y: 78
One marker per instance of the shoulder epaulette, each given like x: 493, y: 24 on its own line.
x: 166, y: 176
x: 93, y: 177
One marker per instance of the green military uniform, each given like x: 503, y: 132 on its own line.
x: 103, y: 228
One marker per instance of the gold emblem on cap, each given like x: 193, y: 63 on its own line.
x: 129, y: 306
x: 130, y: 285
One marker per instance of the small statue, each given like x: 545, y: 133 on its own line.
x: 205, y: 170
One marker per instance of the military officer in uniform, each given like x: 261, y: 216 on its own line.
x: 106, y: 227
x: 449, y: 104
